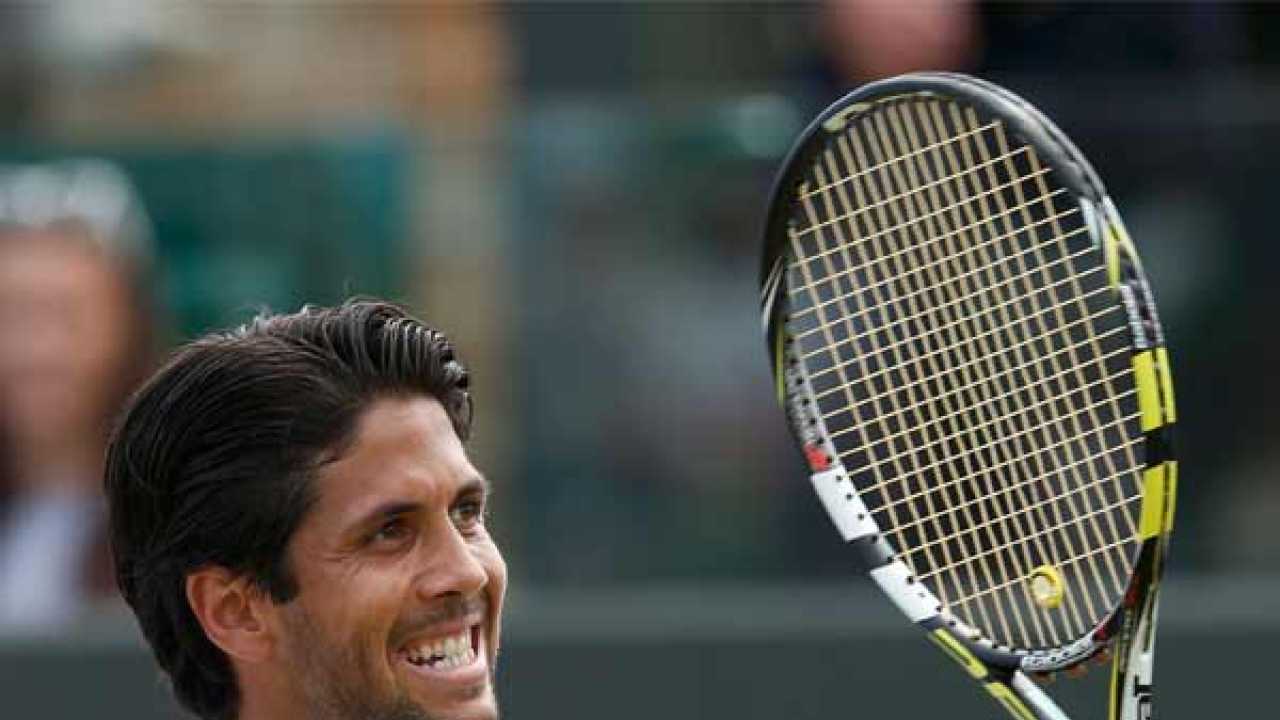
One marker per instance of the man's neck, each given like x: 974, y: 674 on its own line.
x: 268, y: 696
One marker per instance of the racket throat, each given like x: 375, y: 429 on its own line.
x: 1132, y: 676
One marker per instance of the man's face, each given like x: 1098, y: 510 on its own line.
x: 401, y: 587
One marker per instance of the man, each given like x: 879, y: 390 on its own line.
x: 296, y: 524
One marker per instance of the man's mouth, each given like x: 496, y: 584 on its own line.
x: 446, y: 652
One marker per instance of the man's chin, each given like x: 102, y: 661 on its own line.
x: 483, y: 708
x: 451, y: 698
x: 409, y: 708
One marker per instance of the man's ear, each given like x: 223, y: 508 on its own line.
x: 232, y: 611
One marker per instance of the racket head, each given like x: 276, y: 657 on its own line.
x: 879, y: 295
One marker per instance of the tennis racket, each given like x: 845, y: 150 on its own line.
x: 968, y: 353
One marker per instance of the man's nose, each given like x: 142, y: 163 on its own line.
x: 451, y: 567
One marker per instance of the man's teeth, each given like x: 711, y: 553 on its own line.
x: 445, y: 653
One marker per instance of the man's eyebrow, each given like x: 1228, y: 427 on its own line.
x: 387, y: 511
x: 476, y: 484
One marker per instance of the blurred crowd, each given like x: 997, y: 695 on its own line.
x: 77, y: 325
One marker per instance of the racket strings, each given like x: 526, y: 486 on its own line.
x: 1128, y: 530
x: 937, y: 257
x: 853, y: 275
x: 1066, y: 563
x: 959, y: 137
x: 964, y: 465
x: 1009, y: 524
x: 1009, y: 489
x: 1019, y: 527
x: 1111, y: 534
x: 886, y: 202
x: 989, y: 445
x: 828, y: 265
x: 874, y: 288
x: 882, y: 390
x: 855, y: 342
x: 1037, y: 320
x: 1116, y: 577
x: 1051, y: 531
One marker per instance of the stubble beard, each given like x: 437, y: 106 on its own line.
x: 335, y: 680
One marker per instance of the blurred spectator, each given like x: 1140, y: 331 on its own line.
x: 872, y: 39
x: 75, y: 334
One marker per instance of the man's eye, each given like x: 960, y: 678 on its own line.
x: 392, y: 531
x: 468, y: 514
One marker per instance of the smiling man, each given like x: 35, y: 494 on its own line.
x: 298, y: 528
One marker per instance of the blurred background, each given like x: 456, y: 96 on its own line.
x: 574, y: 193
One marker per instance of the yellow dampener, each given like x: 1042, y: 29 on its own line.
x: 1046, y: 586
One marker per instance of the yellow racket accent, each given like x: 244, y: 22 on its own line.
x: 1046, y: 586
x: 837, y: 122
x: 1111, y: 246
x: 1011, y: 703
x: 1117, y: 243
x: 1155, y: 489
x: 1166, y: 384
x: 1117, y: 670
x: 958, y: 652
x: 1149, y: 405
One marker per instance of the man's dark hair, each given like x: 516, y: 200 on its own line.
x: 213, y: 460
